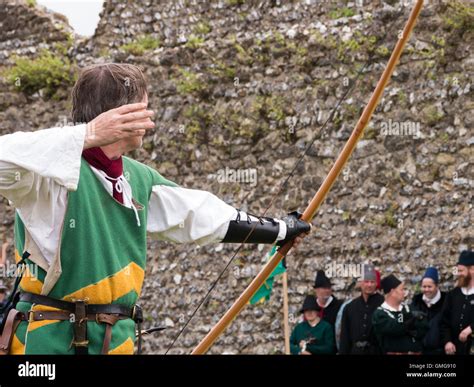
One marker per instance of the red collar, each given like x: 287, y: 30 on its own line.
x: 97, y: 158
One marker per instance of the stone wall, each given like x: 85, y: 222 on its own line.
x: 247, y: 85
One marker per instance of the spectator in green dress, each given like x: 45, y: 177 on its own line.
x: 313, y: 336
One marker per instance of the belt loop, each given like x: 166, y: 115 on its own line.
x: 80, y: 328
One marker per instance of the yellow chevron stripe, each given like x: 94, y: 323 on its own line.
x: 126, y: 348
x: 17, y: 347
x: 111, y: 288
x: 29, y: 282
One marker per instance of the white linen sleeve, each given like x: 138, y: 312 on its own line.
x: 27, y: 158
x: 184, y: 215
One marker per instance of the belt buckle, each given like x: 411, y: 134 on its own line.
x: 137, y: 313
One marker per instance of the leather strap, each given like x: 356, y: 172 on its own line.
x: 70, y: 306
x: 62, y: 316
x: 110, y: 321
x: 80, y: 341
x: 54, y: 315
x: 101, y: 318
x: 12, y: 320
x: 79, y: 312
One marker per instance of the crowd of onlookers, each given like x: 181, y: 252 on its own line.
x: 434, y: 322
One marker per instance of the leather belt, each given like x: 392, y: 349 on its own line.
x: 70, y: 306
x: 79, y: 313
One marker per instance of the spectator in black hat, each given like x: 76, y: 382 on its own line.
x: 313, y: 336
x: 398, y: 330
x: 328, y: 303
x: 430, y: 302
x: 457, y: 321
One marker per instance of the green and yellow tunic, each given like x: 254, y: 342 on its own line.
x: 102, y: 260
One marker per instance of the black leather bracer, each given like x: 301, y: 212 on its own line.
x: 264, y: 230
x: 260, y: 230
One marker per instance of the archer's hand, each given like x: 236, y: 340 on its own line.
x: 296, y: 229
x: 298, y: 240
x: 116, y: 124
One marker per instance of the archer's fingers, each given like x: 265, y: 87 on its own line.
x: 138, y: 133
x: 147, y: 125
x: 137, y: 116
x: 132, y: 107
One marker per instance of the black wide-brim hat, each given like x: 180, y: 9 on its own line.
x: 310, y: 303
x: 321, y: 280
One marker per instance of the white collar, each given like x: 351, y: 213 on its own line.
x: 431, y: 301
x: 329, y: 300
x: 391, y: 309
x: 467, y: 291
x: 121, y: 185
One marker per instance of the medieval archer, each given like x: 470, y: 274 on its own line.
x: 83, y: 212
